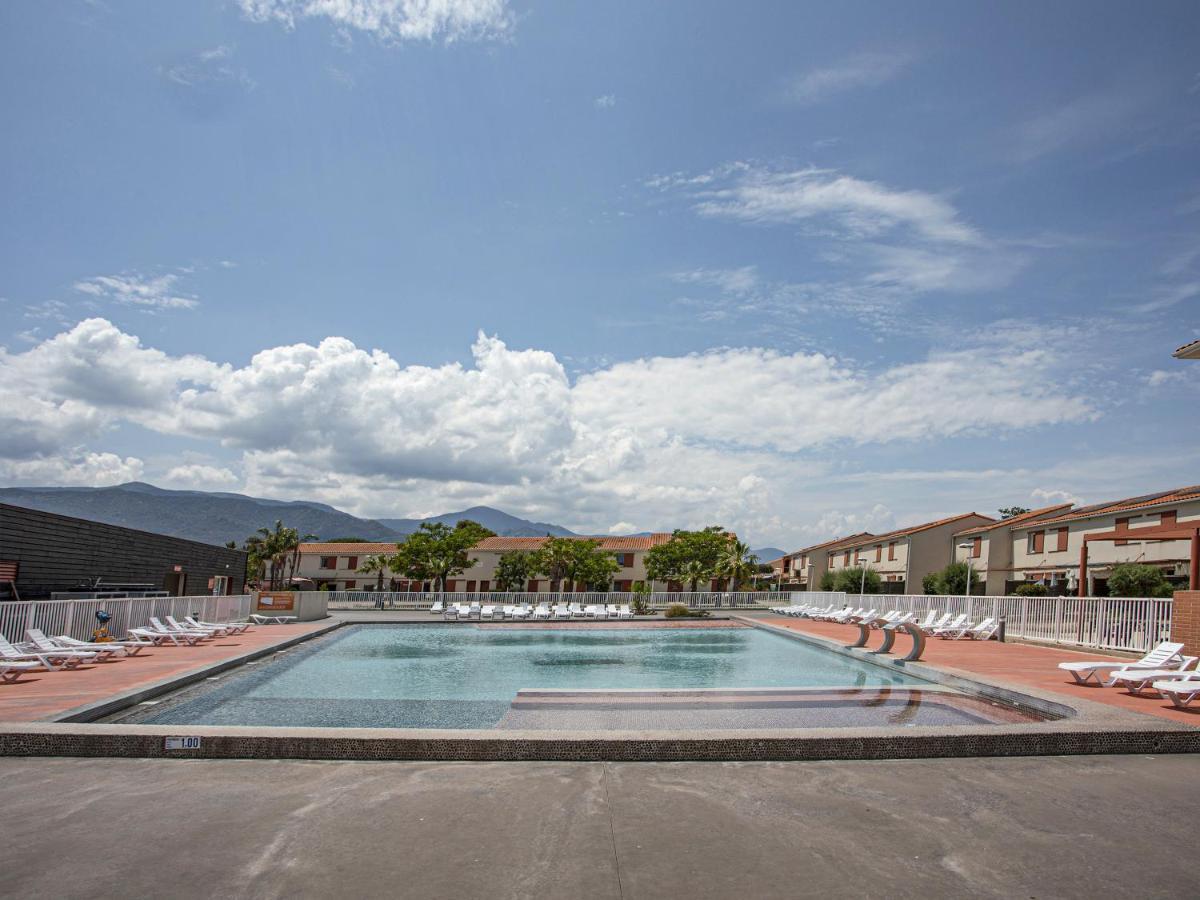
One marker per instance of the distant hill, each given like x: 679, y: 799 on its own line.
x: 497, y: 520
x: 766, y: 554
x: 217, y: 517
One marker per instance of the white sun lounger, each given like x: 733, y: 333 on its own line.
x: 166, y: 629
x: 259, y: 619
x: 930, y: 621
x: 231, y: 627
x: 1180, y: 691
x: 437, y: 608
x: 625, y: 612
x: 541, y: 612
x: 11, y: 670
x: 131, y: 648
x: 214, y: 630
x: 487, y: 612
x: 1137, y: 680
x: 38, y: 641
x: 956, y: 624
x: 1166, y: 655
x: 57, y: 659
x: 562, y: 612
x: 981, y: 632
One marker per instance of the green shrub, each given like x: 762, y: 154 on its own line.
x: 1138, y: 580
x: 681, y: 611
x: 1032, y: 589
x: 952, y: 580
x: 931, y: 583
x: 828, y: 580
x: 854, y: 581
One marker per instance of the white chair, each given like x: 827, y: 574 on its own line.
x: 1137, y: 680
x: 57, y: 659
x: 230, y: 627
x: 930, y: 620
x: 984, y: 631
x: 11, y: 670
x: 625, y: 612
x: 38, y: 641
x: 159, y: 638
x: 259, y: 619
x: 437, y: 607
x: 562, y: 612
x: 953, y: 625
x: 487, y: 612
x: 1167, y: 655
x: 159, y: 626
x: 131, y: 648
x: 214, y: 630
x: 521, y: 611
x: 542, y: 611
x: 1180, y: 691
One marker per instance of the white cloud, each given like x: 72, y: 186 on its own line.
x: 663, y: 441
x: 1046, y: 497
x: 210, y: 71
x: 201, y: 477
x: 857, y: 207
x: 72, y: 468
x: 394, y: 20
x: 133, y: 289
x: 860, y: 70
x: 1085, y: 119
x: 1160, y: 377
x: 605, y: 101
x: 738, y: 281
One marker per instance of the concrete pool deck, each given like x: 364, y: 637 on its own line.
x: 982, y: 828
x: 1030, y: 666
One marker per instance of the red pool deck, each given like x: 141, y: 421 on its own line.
x: 42, y: 694
x: 1019, y: 664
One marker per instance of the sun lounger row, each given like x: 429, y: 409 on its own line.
x: 40, y: 651
x: 1164, y: 669
x: 948, y: 626
x: 525, y: 611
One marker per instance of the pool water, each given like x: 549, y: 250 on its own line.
x: 469, y: 676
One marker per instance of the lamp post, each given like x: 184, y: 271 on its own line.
x: 968, y: 546
x: 862, y: 583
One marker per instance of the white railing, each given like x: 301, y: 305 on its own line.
x: 810, y: 598
x: 77, y: 618
x: 660, y: 600
x: 1110, y: 623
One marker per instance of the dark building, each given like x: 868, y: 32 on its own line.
x: 44, y: 552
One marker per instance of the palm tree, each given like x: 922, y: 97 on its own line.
x: 737, y: 564
x: 694, y: 571
x: 376, y: 563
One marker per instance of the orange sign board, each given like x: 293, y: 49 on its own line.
x: 277, y: 600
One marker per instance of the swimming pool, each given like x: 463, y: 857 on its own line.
x: 456, y: 676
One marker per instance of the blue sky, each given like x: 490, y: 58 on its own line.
x: 798, y: 269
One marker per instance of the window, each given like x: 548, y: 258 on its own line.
x: 891, y: 549
x: 1036, y: 542
x: 846, y: 559
x: 977, y: 547
x: 532, y: 586
x: 625, y: 560
x: 804, y: 562
x: 351, y: 562
x: 350, y: 585
x: 328, y: 562
x: 1061, y: 535
x: 878, y: 552
x: 485, y: 586
x: 451, y: 585
x: 1167, y: 517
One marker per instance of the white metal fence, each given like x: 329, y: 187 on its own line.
x: 1112, y: 623
x: 77, y: 618
x: 697, y: 600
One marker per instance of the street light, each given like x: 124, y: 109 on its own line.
x: 862, y: 584
x: 968, y: 546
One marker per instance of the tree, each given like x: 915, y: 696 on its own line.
x: 346, y: 540
x: 689, y: 556
x: 278, y: 549
x: 1138, y: 580
x: 515, y: 568
x: 1009, y: 512
x: 857, y: 580
x: 828, y: 580
x: 377, y: 564
x: 436, y: 552
x: 737, y: 564
x: 1031, y: 589
x: 572, y: 560
x: 952, y: 580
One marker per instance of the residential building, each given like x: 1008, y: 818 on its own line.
x: 44, y: 553
x: 989, y: 548
x: 1048, y: 549
x: 336, y: 565
x: 802, y: 569
x: 905, y: 556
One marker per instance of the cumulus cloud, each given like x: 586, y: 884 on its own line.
x: 72, y: 467
x: 134, y: 289
x: 857, y: 71
x: 605, y: 101
x: 394, y: 20
x: 1049, y: 497
x: 201, y: 477
x: 664, y: 441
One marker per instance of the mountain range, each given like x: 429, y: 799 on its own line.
x: 215, y: 517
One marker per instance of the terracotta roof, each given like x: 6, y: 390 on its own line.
x: 828, y: 544
x: 632, y: 542
x: 348, y: 549
x: 1175, y: 495
x: 1188, y: 351
x: 914, y: 529
x: 1017, y: 520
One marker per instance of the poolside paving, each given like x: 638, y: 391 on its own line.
x: 42, y: 695
x: 1017, y: 663
x: 1079, y: 827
